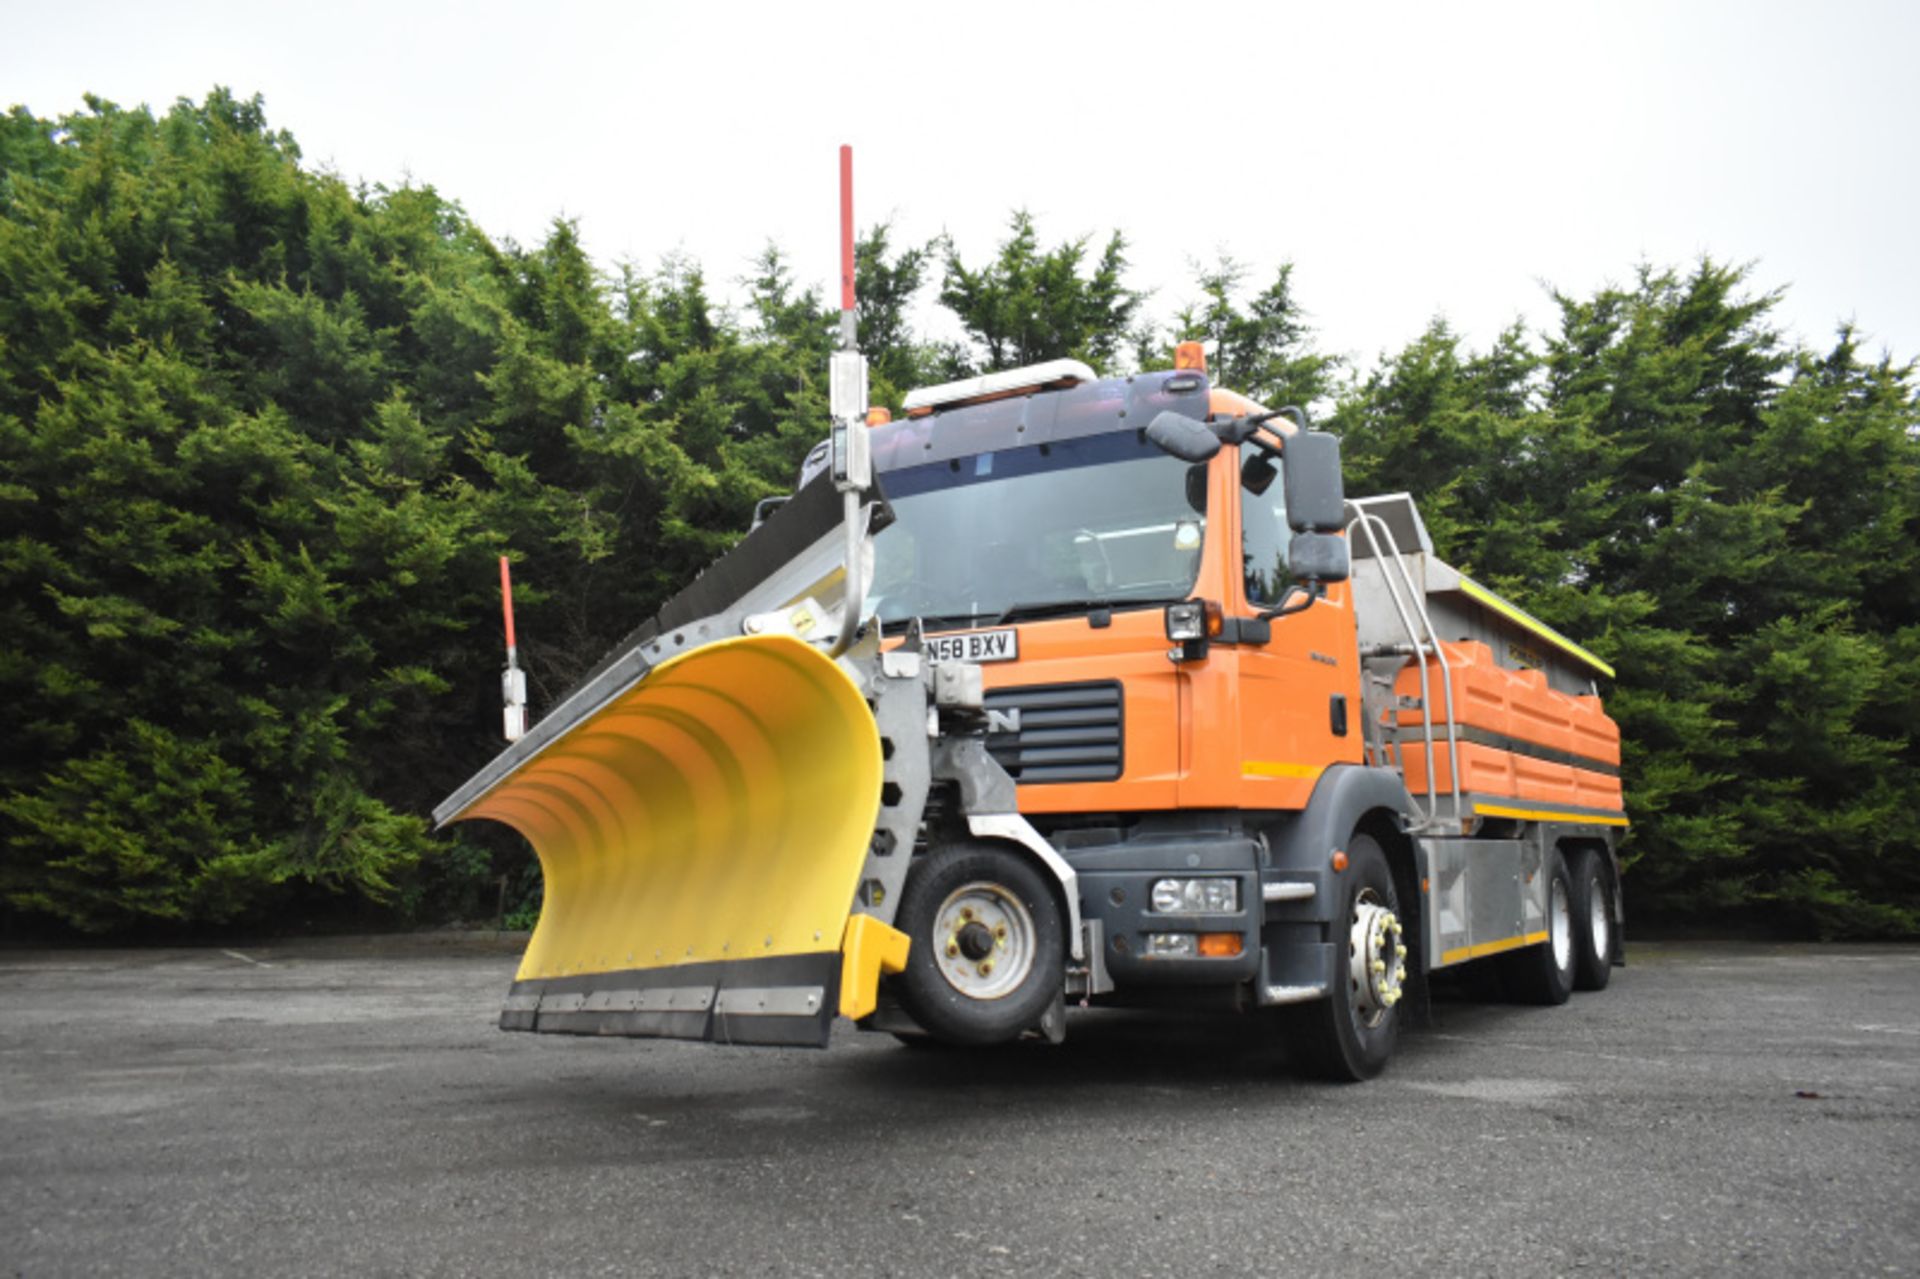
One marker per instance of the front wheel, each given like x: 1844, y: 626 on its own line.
x: 988, y: 951
x: 1350, y: 1035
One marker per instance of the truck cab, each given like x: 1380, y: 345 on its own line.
x: 1184, y: 710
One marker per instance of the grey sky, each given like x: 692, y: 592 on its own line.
x: 1410, y: 159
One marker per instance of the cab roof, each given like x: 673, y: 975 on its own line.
x: 1036, y: 415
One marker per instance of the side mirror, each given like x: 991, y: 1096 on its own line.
x: 1197, y: 488
x: 1257, y: 473
x: 1318, y: 557
x: 1316, y: 498
x: 1186, y: 439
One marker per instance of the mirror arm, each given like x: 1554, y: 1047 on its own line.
x: 1289, y: 604
x: 1239, y: 430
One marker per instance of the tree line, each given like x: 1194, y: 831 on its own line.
x: 263, y: 435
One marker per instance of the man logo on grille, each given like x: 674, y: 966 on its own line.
x: 1003, y: 721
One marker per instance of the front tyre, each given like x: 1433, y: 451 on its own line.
x: 988, y: 949
x: 1350, y: 1035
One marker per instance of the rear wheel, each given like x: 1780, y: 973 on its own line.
x: 1543, y: 973
x: 988, y: 953
x: 1350, y: 1035
x: 1592, y: 920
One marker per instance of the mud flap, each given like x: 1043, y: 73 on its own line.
x: 701, y: 838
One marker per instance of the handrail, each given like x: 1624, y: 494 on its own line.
x: 1365, y: 521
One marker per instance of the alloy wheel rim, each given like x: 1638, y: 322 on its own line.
x: 1376, y: 959
x: 1599, y: 922
x: 1560, y: 924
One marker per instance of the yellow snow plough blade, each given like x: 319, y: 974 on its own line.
x: 701, y: 838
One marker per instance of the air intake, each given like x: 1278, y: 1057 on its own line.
x: 1065, y: 733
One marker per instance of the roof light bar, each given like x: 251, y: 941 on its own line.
x: 1031, y: 378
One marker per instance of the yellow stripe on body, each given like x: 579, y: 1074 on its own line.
x: 1271, y: 768
x: 1547, y: 815
x: 1492, y: 947
x: 820, y: 587
x: 1520, y: 617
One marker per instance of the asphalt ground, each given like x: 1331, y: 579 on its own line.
x: 348, y: 1108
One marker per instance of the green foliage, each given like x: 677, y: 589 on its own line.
x: 1262, y: 349
x: 1732, y: 523
x: 1030, y: 304
x: 263, y: 437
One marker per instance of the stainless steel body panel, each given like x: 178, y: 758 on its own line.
x: 1484, y: 896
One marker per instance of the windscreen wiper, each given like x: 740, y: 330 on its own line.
x: 1060, y: 608
x: 1027, y: 611
x: 1051, y: 607
x: 930, y: 622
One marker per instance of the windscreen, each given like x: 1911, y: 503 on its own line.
x: 1102, y: 520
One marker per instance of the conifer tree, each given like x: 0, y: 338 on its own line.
x: 1031, y: 304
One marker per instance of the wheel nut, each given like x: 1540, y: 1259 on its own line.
x: 953, y: 948
x: 986, y: 967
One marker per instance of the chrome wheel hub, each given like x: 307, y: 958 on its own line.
x: 1376, y: 959
x: 1599, y: 922
x: 1560, y: 924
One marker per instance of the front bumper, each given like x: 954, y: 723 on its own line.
x: 1116, y: 888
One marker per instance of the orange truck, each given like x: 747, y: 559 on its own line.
x: 1061, y: 691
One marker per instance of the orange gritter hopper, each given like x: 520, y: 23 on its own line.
x: 1518, y: 738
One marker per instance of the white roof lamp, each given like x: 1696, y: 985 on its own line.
x: 990, y: 386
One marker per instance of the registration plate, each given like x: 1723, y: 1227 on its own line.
x: 982, y: 646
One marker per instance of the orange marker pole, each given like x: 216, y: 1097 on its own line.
x: 506, y: 605
x: 513, y: 681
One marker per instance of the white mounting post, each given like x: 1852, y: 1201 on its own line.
x: 513, y: 680
x: 852, y: 460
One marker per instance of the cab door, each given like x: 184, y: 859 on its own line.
x: 1299, y: 693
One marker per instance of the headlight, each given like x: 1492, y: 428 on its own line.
x: 1187, y: 621
x: 1196, y: 896
x: 1195, y: 619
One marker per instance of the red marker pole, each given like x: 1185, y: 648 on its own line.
x: 848, y: 339
x: 506, y: 605
x: 513, y: 681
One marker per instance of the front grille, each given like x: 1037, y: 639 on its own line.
x: 1067, y: 733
